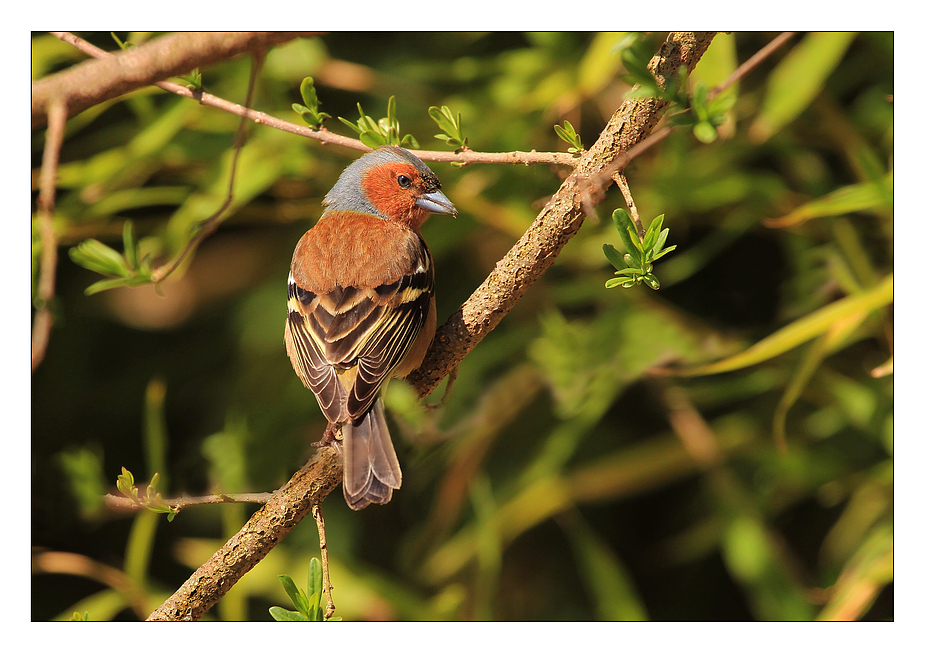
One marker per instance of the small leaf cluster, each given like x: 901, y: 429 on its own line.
x: 127, y: 269
x: 308, y: 606
x: 636, y: 265
x: 452, y: 127
x: 152, y: 499
x: 193, y: 80
x: 571, y: 137
x: 705, y: 114
x: 698, y: 109
x: 635, y: 54
x: 385, y: 131
x: 310, y: 111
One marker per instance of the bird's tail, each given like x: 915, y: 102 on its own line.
x: 371, y: 468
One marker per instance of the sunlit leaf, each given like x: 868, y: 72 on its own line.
x: 798, y: 79
x: 801, y: 330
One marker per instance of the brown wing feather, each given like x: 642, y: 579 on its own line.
x: 345, y: 343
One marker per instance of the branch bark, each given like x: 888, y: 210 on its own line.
x: 42, y: 323
x: 263, y: 531
x: 94, y: 81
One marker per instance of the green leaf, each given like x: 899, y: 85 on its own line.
x: 660, y: 243
x: 309, y: 94
x: 281, y: 614
x: 299, y: 600
x: 410, y: 141
x: 310, y: 112
x: 623, y: 223
x: 385, y: 131
x: 847, y: 199
x: 372, y: 139
x: 94, y: 255
x: 661, y: 253
x: 705, y: 132
x: 315, y: 589
x: 801, y: 330
x: 798, y: 79
x: 452, y: 127
x: 314, y: 576
x: 130, y: 245
x: 648, y: 241
x: 570, y: 136
x: 613, y: 256
x: 193, y: 80
x: 125, y: 483
x: 106, y: 284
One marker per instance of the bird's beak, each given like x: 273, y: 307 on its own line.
x: 436, y: 202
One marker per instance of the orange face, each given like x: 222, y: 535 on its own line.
x: 394, y: 189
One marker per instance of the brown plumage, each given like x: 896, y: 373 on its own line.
x: 361, y: 306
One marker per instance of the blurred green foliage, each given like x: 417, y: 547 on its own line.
x: 564, y: 479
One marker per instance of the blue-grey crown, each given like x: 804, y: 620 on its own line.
x: 347, y: 194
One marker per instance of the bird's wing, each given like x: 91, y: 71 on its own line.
x: 344, y: 344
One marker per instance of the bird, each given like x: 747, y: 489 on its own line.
x: 361, y: 307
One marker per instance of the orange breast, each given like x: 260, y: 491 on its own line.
x: 353, y: 249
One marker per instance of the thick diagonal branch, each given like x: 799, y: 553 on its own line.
x: 263, y: 531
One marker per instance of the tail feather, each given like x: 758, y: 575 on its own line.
x: 371, y: 469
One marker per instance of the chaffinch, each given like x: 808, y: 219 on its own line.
x: 361, y: 307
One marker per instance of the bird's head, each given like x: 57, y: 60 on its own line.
x: 392, y: 183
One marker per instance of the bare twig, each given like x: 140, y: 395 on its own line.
x: 125, y: 503
x: 75, y: 564
x: 751, y: 64
x: 325, y: 572
x: 207, y: 226
x: 624, y: 187
x: 54, y: 136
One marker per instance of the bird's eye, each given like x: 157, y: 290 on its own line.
x: 404, y: 181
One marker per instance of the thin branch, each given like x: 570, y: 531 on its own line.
x: 325, y: 572
x: 751, y: 64
x: 54, y: 137
x: 465, y: 157
x: 624, y: 187
x: 115, y: 502
x: 207, y: 226
x: 75, y: 564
